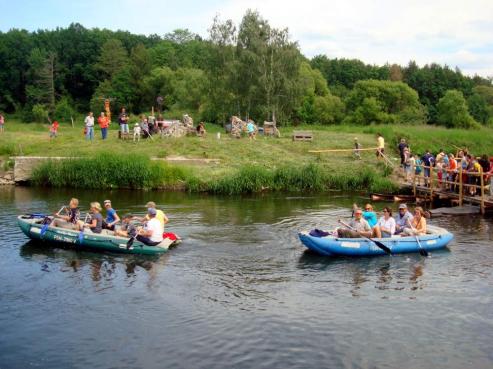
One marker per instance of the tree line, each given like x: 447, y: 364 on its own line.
x: 252, y: 70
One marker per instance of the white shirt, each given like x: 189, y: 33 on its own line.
x: 388, y: 224
x: 89, y: 121
x: 157, y: 229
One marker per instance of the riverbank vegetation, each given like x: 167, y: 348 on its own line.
x: 137, y: 172
x: 243, y: 165
x: 252, y: 70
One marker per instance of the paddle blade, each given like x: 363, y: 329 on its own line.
x: 81, y: 237
x: 383, y: 247
x: 423, y: 252
x: 130, y: 242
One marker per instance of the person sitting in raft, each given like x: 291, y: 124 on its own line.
x: 96, y: 222
x: 127, y: 229
x: 370, y: 216
x: 385, y: 227
x: 360, y: 227
x: 417, y: 225
x: 111, y: 216
x: 71, y: 219
x: 163, y: 219
x: 152, y: 235
x: 402, y: 218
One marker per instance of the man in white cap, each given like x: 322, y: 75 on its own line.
x: 159, y: 214
x: 402, y: 218
x: 152, y: 235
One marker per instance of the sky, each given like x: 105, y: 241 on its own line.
x: 457, y: 33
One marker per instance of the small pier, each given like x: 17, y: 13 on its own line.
x: 457, y: 191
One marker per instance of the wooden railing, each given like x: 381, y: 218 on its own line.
x: 435, y: 184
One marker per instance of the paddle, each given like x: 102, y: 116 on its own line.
x: 378, y: 243
x: 422, y: 251
x: 48, y: 222
x: 81, y: 233
x: 130, y: 242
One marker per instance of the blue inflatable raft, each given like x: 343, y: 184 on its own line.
x: 436, y: 238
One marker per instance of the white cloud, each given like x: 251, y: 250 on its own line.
x: 448, y: 32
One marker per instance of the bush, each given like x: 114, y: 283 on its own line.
x: 108, y: 171
x: 40, y: 113
x: 64, y: 111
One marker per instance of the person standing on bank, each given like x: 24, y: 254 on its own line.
x: 89, y: 122
x: 2, y: 122
x: 152, y: 235
x: 401, y: 147
x: 123, y: 121
x: 103, y: 122
x: 380, y: 145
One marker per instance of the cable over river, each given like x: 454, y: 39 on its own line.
x: 240, y: 291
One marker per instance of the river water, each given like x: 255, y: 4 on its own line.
x: 241, y: 292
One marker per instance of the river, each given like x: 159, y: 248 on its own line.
x: 241, y: 292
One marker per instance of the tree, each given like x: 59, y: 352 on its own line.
x: 181, y: 36
x: 452, y: 111
x: 112, y: 58
x: 396, y: 100
x: 41, y: 89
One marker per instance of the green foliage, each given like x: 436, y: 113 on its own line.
x: 39, y: 113
x: 252, y: 69
x: 384, y: 102
x: 112, y: 58
x: 346, y: 72
x: 64, y: 111
x: 107, y: 171
x: 452, y: 111
x: 432, y: 81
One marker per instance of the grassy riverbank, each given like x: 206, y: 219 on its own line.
x: 244, y: 166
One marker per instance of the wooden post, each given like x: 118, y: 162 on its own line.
x: 482, y: 191
x: 431, y: 183
x: 460, y: 186
x: 414, y: 180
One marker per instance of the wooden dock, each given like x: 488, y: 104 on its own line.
x: 456, y: 191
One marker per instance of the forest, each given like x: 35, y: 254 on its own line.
x: 252, y: 70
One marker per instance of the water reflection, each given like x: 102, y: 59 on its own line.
x: 383, y: 273
x: 102, y: 269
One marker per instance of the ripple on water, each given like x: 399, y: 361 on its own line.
x: 241, y: 291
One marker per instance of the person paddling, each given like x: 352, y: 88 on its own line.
x: 96, y: 222
x: 359, y: 227
x: 71, y: 219
x: 152, y: 235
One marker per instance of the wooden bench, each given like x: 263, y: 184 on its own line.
x: 302, y: 136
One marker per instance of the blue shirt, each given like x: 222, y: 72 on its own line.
x: 110, y: 215
x: 370, y: 217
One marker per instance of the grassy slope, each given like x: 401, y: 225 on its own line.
x: 33, y: 139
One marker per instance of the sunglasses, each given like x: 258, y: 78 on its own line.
x: 385, y: 211
x: 368, y: 209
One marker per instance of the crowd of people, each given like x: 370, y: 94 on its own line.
x: 365, y: 223
x: 146, y: 127
x: 447, y: 168
x: 150, y: 231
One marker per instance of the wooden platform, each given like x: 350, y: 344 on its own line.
x: 454, y: 197
x: 302, y: 136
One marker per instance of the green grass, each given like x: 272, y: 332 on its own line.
x: 245, y: 166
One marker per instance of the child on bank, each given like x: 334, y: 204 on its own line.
x: 54, y: 129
